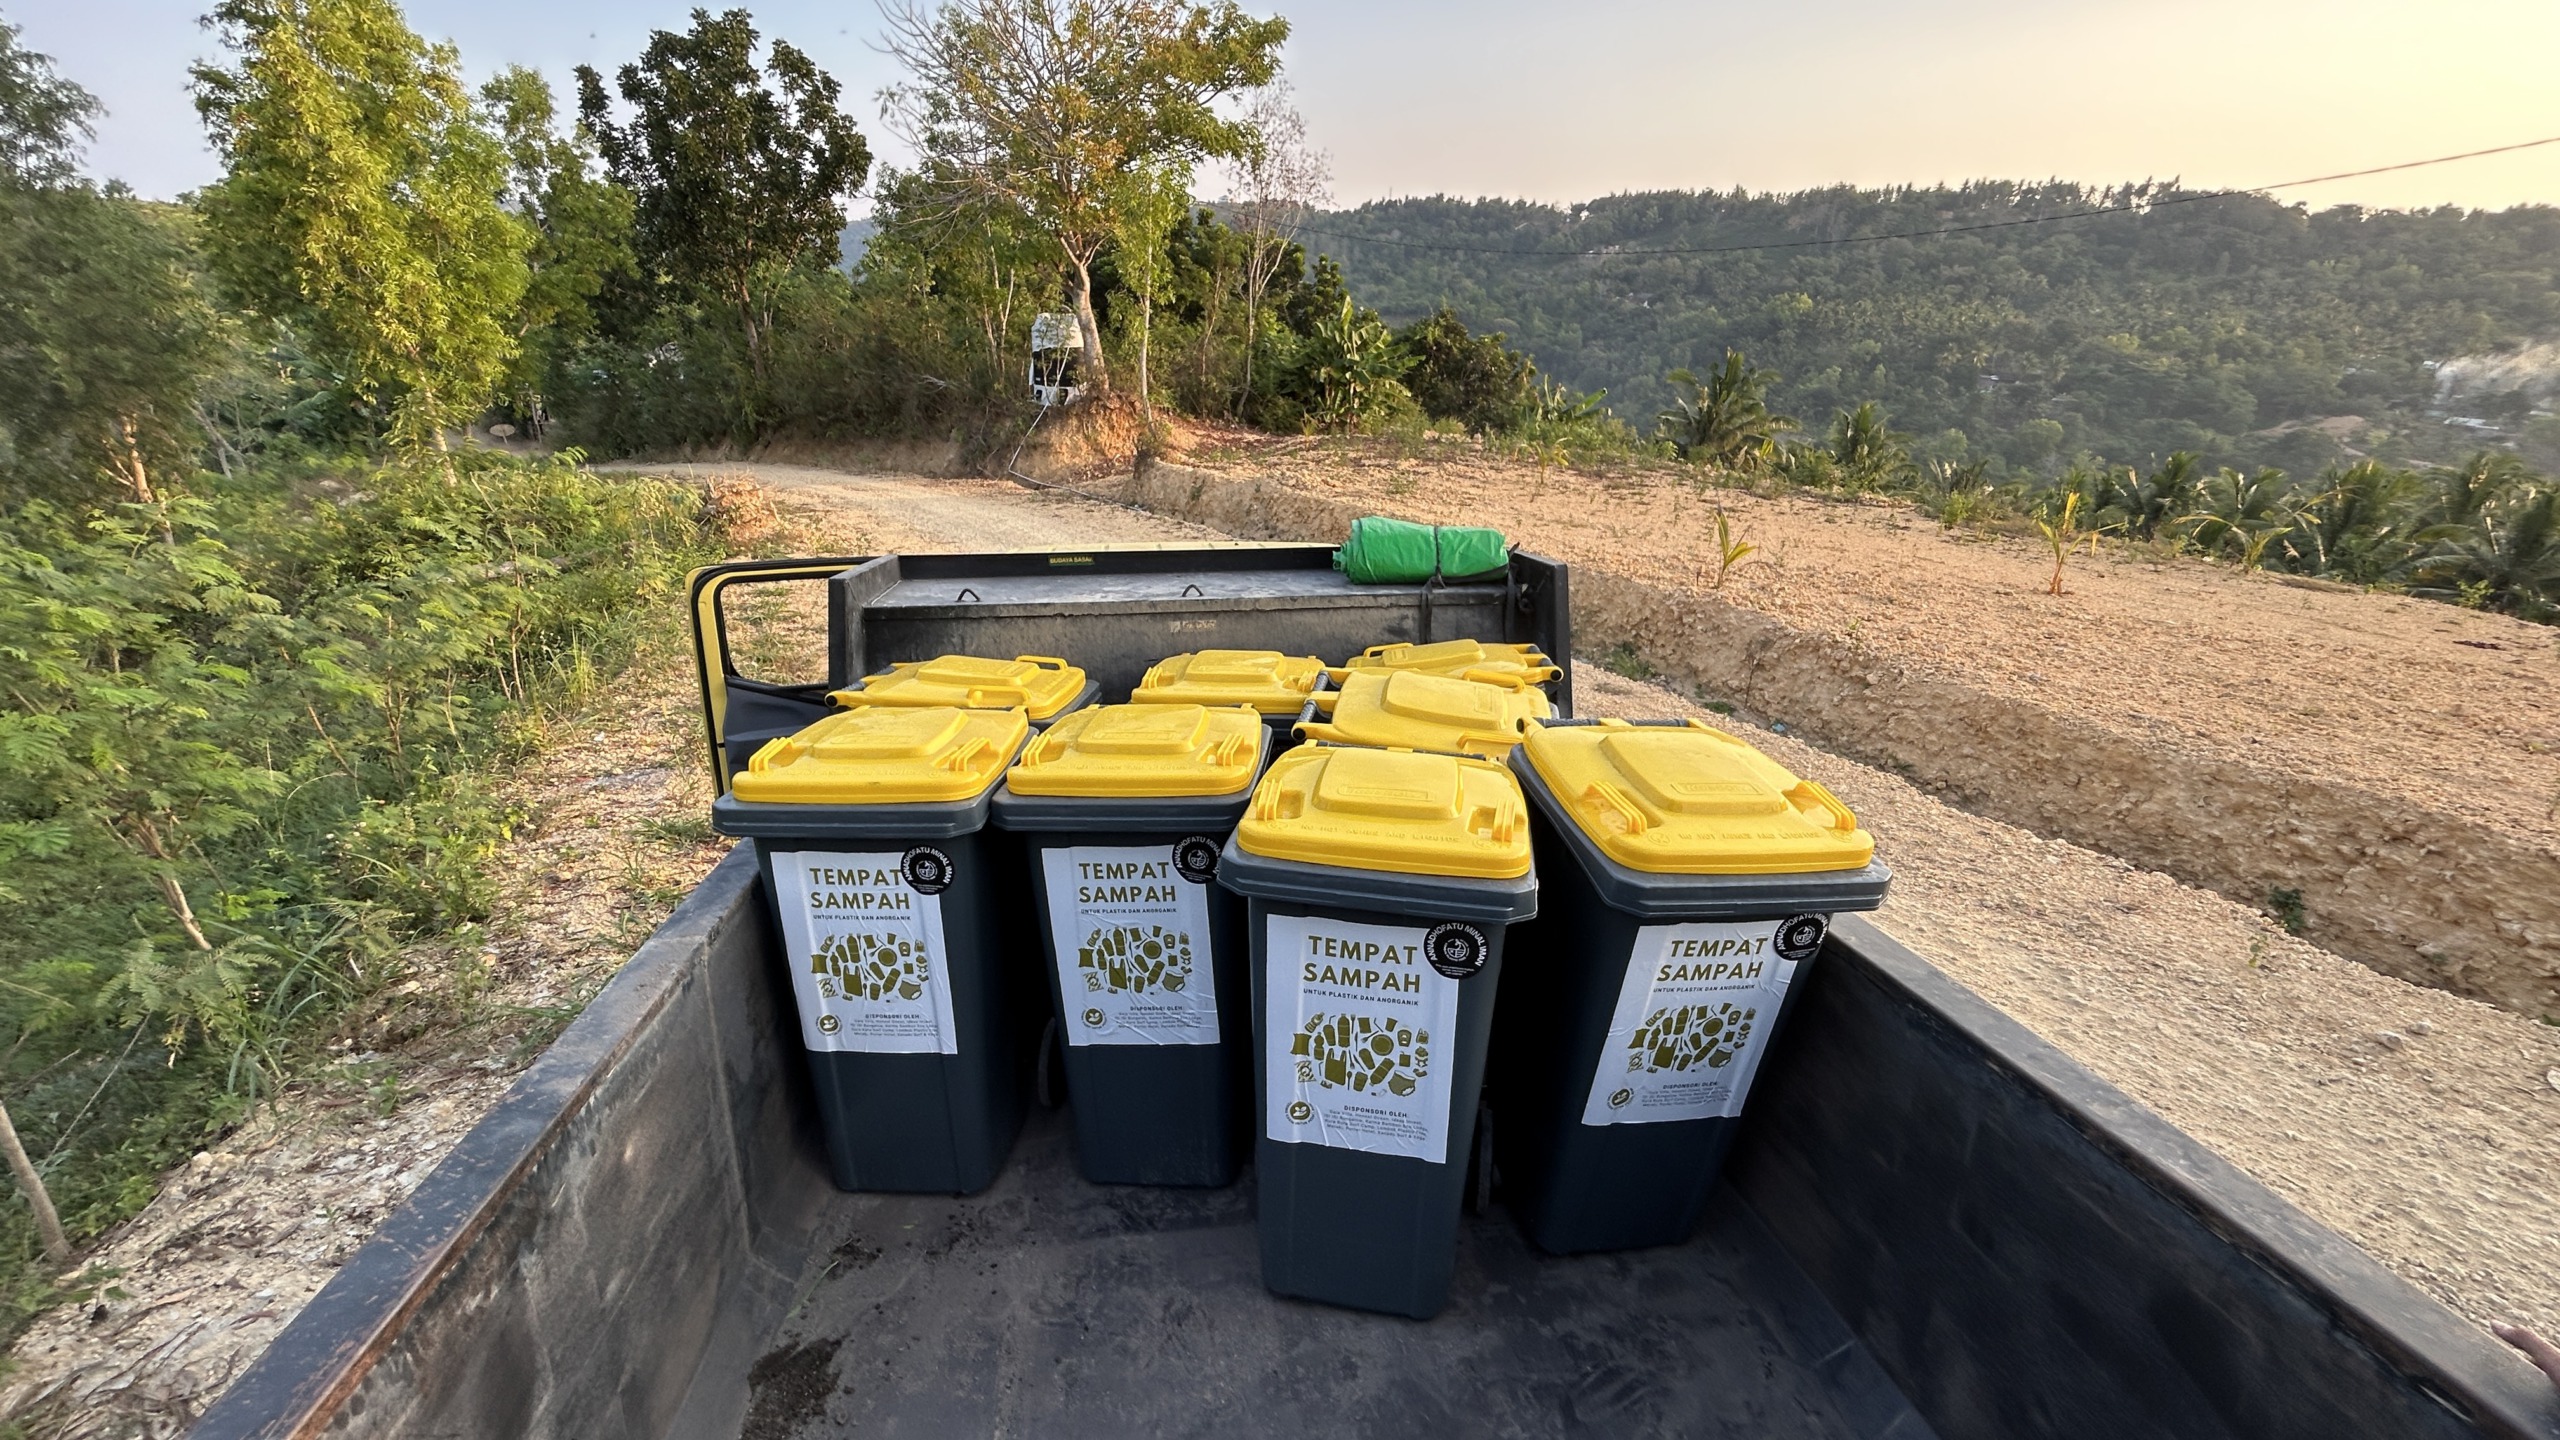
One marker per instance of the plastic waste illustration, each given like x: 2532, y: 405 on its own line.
x: 1132, y: 960
x: 871, y: 967
x: 1361, y: 1053
x: 1682, y: 1037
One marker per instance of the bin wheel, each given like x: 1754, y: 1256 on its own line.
x: 1052, y: 1082
x: 1480, y: 1164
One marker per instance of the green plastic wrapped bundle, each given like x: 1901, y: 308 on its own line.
x: 1382, y: 551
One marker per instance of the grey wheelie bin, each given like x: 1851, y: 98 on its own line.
x: 886, y: 896
x: 1123, y: 810
x: 1689, y: 879
x: 1381, y: 882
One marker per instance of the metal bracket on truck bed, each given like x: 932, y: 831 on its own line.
x: 1114, y: 610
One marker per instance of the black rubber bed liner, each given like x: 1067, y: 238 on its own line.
x: 1049, y: 1306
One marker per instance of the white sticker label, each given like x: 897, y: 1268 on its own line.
x: 866, y: 952
x: 1131, y: 937
x: 1358, y: 1038
x: 1693, y: 1019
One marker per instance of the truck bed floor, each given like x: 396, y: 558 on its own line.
x: 1051, y: 1307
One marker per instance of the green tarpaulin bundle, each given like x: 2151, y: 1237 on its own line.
x: 1385, y: 552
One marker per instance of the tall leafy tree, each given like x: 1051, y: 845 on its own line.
x: 581, y: 222
x: 1476, y: 380
x: 1045, y: 106
x: 364, y: 202
x: 104, y: 339
x: 1152, y: 200
x: 43, y: 117
x: 735, y: 180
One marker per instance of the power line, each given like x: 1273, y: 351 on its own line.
x: 1929, y: 234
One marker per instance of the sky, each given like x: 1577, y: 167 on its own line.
x: 1559, y: 102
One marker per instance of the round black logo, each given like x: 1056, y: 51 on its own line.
x: 1195, y: 858
x: 927, y: 869
x: 1456, y: 950
x: 1800, y: 937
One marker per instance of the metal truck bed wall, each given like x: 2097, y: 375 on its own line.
x: 1113, y: 610
x: 2015, y: 1248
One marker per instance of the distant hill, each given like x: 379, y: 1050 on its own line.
x: 854, y: 239
x: 2222, y: 325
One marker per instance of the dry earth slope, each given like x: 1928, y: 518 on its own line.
x: 2389, y: 767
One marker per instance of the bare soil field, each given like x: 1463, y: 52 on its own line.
x: 2423, y: 1125
x: 2386, y: 768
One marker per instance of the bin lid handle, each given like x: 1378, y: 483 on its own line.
x: 1807, y: 795
x: 1613, y: 798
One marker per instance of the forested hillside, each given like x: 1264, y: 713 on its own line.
x: 2196, y: 324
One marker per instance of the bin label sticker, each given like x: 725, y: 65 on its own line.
x: 1130, y: 932
x: 867, y: 955
x: 1358, y: 1032
x: 1693, y: 1019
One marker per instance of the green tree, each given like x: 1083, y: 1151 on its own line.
x: 1042, y: 106
x: 582, y: 230
x: 1725, y: 418
x: 1150, y: 201
x: 43, y: 117
x: 2241, y: 514
x: 104, y: 339
x: 735, y: 184
x: 2511, y: 560
x: 362, y: 202
x: 1349, y: 369
x: 2468, y: 492
x: 1476, y: 380
x: 1868, y: 452
x: 2364, y: 517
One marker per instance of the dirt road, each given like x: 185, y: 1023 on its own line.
x: 2419, y: 1124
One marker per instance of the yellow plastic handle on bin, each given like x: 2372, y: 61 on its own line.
x: 1619, y: 803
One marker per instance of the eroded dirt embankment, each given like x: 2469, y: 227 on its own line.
x: 2435, y: 883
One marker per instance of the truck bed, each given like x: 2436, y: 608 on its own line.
x: 1049, y: 1306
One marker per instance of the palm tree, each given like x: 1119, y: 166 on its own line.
x: 2364, y: 514
x: 2241, y: 515
x: 1724, y: 419
x: 1868, y: 453
x: 2511, y: 559
x: 2465, y: 494
x: 2150, y: 501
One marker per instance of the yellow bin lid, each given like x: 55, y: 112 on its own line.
x: 1039, y: 684
x: 1267, y: 680
x: 1131, y: 751
x: 1461, y: 658
x: 1411, y: 710
x: 1692, y: 800
x: 1390, y: 810
x: 886, y: 755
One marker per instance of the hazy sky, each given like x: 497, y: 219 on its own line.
x: 1561, y: 101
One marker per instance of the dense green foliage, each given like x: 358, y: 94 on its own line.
x: 733, y: 184
x: 248, y: 751
x: 362, y: 203
x: 260, y: 679
x: 2119, y: 338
